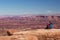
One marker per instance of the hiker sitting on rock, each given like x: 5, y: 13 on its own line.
x: 49, y: 26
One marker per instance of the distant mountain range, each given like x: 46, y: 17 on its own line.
x: 34, y: 21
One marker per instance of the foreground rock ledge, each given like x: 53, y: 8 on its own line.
x: 39, y: 34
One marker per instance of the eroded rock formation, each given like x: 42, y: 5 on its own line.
x: 39, y: 34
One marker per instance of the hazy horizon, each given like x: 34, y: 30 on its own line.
x: 29, y: 7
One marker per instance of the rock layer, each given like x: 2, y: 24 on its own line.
x: 39, y: 34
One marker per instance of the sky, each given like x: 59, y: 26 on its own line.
x: 29, y: 7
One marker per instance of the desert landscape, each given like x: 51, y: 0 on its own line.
x: 29, y: 19
x: 29, y: 28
